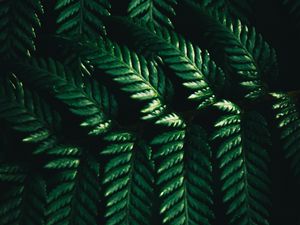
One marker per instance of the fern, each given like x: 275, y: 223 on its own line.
x: 193, y: 66
x: 243, y: 161
x: 288, y: 122
x: 54, y: 77
x: 74, y: 198
x: 128, y: 178
x: 24, y: 200
x: 153, y: 11
x: 81, y: 18
x: 136, y: 107
x: 248, y: 57
x: 18, y: 21
x: 29, y: 114
x: 135, y: 75
x: 184, y: 175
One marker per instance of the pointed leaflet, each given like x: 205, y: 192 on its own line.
x: 83, y: 97
x: 128, y: 180
x: 248, y: 57
x: 74, y: 197
x: 136, y: 76
x: 243, y: 161
x: 28, y: 113
x: 23, y: 197
x: 288, y: 121
x: 193, y: 66
x: 153, y: 11
x: 184, y: 175
x: 81, y: 18
x: 18, y: 20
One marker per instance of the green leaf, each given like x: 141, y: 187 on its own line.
x: 135, y: 75
x: 27, y: 113
x: 24, y: 199
x: 288, y: 122
x: 81, y: 18
x: 74, y: 196
x: 184, y: 176
x: 191, y: 65
x: 18, y: 21
x: 243, y: 162
x: 128, y: 178
x: 238, y: 49
x: 156, y: 12
x: 84, y: 97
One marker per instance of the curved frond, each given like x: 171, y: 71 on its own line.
x: 18, y: 20
x: 288, y: 121
x: 156, y: 12
x: 184, y: 176
x: 81, y: 18
x: 243, y: 161
x: 238, y: 49
x: 84, y: 98
x: 192, y: 66
x: 74, y: 197
x: 128, y: 178
x: 28, y: 114
x: 136, y: 76
x: 23, y: 199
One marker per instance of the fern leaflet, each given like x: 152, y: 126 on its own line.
x: 81, y: 18
x: 153, y: 11
x: 288, y: 121
x: 128, y: 179
x: 18, y: 20
x: 184, y: 175
x: 243, y: 161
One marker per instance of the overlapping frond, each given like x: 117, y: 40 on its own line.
x: 288, y: 121
x: 83, y: 97
x: 28, y: 114
x: 136, y: 76
x: 243, y: 161
x: 240, y: 50
x: 81, y: 18
x: 156, y: 12
x: 128, y: 178
x: 23, y: 198
x: 193, y: 66
x: 184, y: 179
x: 75, y: 195
x: 18, y: 21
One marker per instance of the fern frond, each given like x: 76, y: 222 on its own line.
x: 248, y: 57
x: 128, y: 178
x: 243, y: 161
x: 193, y: 66
x: 28, y: 114
x: 288, y: 121
x: 136, y: 76
x: 23, y: 200
x: 81, y: 18
x: 184, y: 176
x: 75, y: 194
x: 83, y: 98
x: 153, y: 11
x: 18, y: 20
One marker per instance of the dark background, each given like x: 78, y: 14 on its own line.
x: 278, y: 29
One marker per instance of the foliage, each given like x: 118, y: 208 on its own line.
x: 130, y: 120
